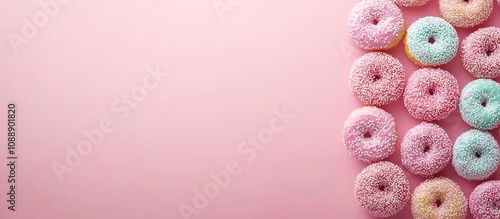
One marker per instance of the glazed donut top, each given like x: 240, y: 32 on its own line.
x: 426, y: 149
x: 476, y: 155
x: 481, y: 53
x: 485, y: 200
x: 375, y: 24
x: 370, y: 134
x: 480, y: 104
x: 432, y: 41
x: 461, y: 13
x: 377, y: 79
x: 431, y: 94
x: 382, y: 189
x: 453, y: 201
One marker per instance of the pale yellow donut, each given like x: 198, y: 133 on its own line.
x: 438, y: 198
x: 466, y: 13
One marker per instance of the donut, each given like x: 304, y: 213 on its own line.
x: 431, y: 41
x: 480, y: 104
x: 370, y: 134
x: 426, y: 149
x: 376, y: 24
x: 411, y: 3
x: 438, y: 198
x: 481, y: 53
x: 476, y: 155
x: 377, y: 79
x: 484, y: 202
x: 431, y: 94
x: 465, y: 13
x: 382, y: 189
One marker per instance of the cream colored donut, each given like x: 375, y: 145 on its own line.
x: 466, y: 13
x: 438, y: 198
x: 411, y: 3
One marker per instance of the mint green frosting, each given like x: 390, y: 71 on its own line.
x: 441, y: 49
x: 476, y: 155
x: 480, y: 104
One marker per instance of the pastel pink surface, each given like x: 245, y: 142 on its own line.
x: 229, y: 76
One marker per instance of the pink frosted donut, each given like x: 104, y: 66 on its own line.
x: 481, y: 53
x: 382, y: 189
x: 426, y: 149
x: 370, y: 134
x: 411, y: 3
x: 377, y: 79
x: 484, y: 202
x: 431, y: 94
x: 376, y: 24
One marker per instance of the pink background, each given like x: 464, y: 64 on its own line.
x: 225, y: 78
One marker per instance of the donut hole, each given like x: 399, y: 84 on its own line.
x: 488, y: 52
x: 484, y: 103
x: 431, y: 91
x: 438, y: 202
x: 367, y: 135
x: 376, y: 77
x: 427, y: 148
x: 466, y: 1
x: 496, y: 205
x: 431, y: 40
x: 375, y: 21
x: 477, y: 154
x: 382, y: 187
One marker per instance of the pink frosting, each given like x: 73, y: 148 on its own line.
x: 382, y: 189
x: 375, y: 24
x: 426, y: 149
x: 431, y: 94
x: 484, y: 201
x: 481, y: 53
x: 377, y: 79
x: 370, y: 134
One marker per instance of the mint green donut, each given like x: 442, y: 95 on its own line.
x: 476, y: 155
x: 480, y: 104
x: 431, y: 41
